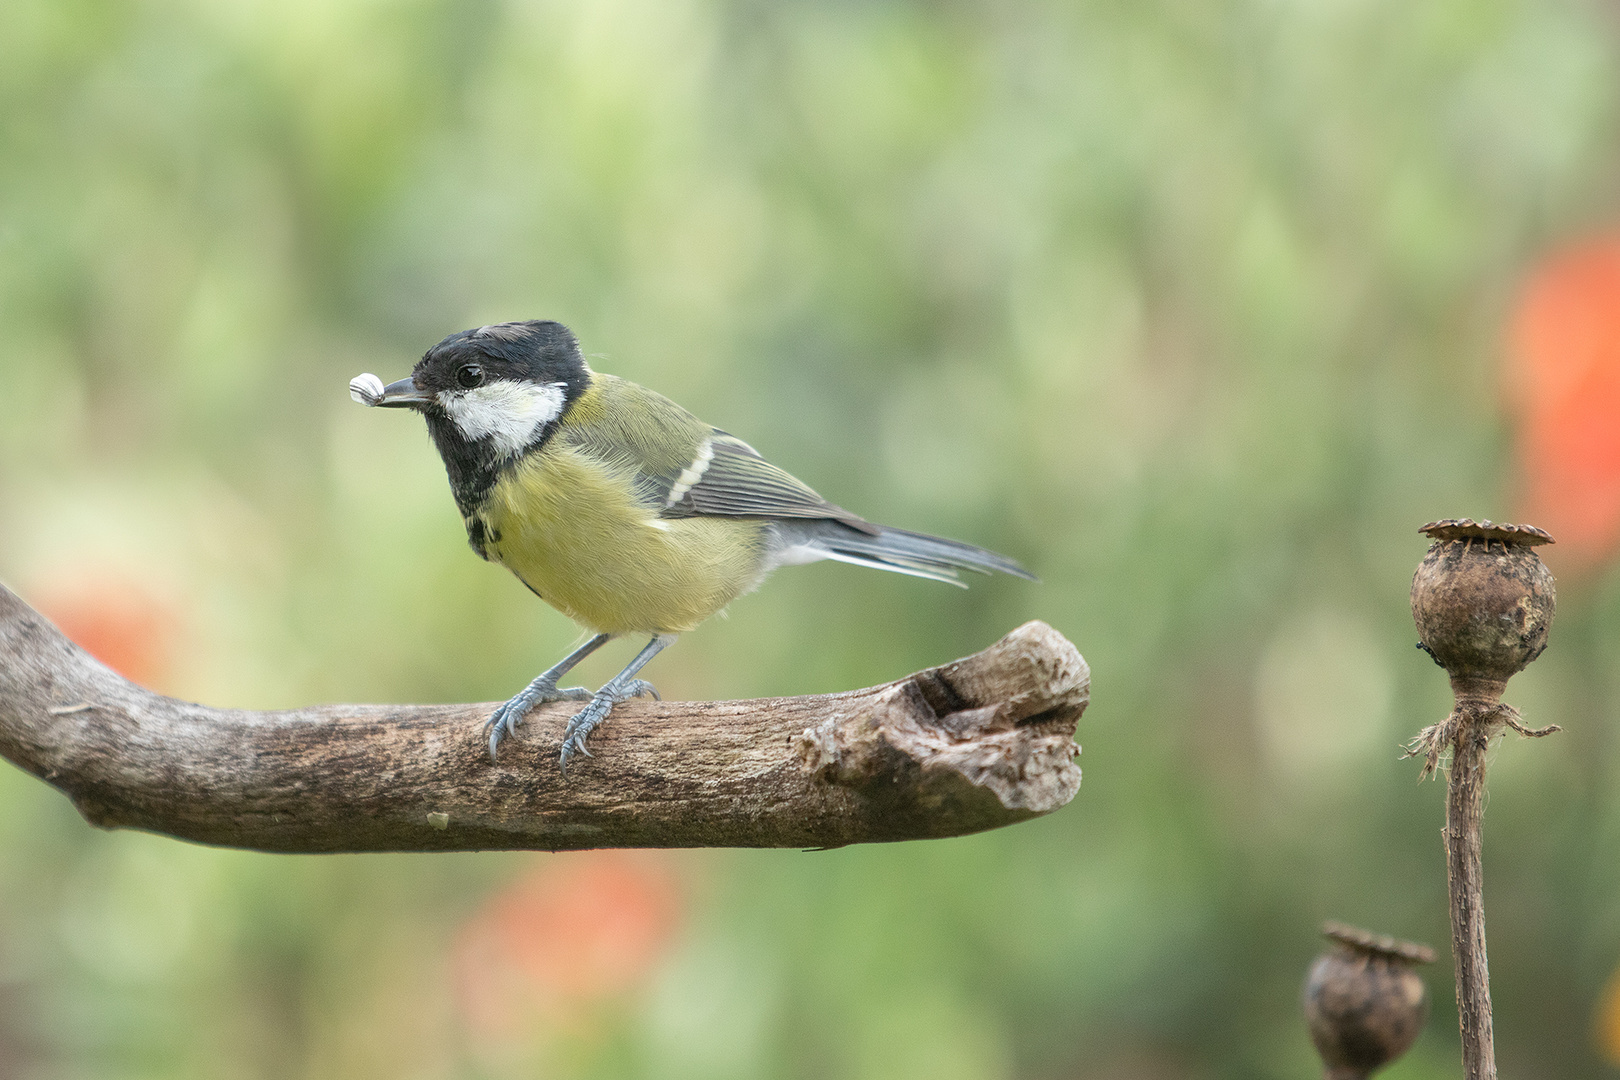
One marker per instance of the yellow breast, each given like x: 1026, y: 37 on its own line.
x: 572, y: 528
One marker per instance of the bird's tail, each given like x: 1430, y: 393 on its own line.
x: 893, y: 549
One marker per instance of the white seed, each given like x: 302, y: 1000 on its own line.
x: 367, y: 389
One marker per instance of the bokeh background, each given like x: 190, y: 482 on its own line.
x: 1199, y: 309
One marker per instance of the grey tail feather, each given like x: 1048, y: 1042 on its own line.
x: 900, y: 550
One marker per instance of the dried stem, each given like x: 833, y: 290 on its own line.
x: 1465, y: 806
x: 1477, y: 718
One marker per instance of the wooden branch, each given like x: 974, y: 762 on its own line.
x: 976, y: 744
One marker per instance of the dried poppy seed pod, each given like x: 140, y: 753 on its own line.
x: 1363, y: 1002
x: 1483, y: 602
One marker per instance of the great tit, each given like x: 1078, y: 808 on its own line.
x: 618, y: 507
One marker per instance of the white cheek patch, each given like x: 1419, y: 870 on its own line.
x: 506, y: 412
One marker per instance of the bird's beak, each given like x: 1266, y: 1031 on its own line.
x: 367, y: 389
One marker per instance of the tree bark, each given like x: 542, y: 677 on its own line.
x: 979, y: 743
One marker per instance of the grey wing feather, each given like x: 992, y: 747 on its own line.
x: 737, y: 482
x: 900, y: 550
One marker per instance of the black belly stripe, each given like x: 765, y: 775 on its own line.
x: 475, y: 534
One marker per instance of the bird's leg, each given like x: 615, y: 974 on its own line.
x: 621, y: 687
x: 504, y: 720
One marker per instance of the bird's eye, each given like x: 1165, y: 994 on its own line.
x: 469, y: 376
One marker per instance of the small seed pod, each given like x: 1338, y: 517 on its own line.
x: 1483, y: 602
x: 1364, y: 1003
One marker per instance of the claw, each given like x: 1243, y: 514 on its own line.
x: 504, y: 720
x: 641, y: 687
x: 588, y: 720
x: 574, y: 743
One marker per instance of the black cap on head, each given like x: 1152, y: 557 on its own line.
x: 533, y: 351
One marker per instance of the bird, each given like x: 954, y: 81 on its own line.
x: 618, y: 507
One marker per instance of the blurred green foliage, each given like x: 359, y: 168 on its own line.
x: 1194, y: 308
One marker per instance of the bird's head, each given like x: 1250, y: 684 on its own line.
x: 495, y: 387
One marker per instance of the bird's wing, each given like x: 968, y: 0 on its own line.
x: 728, y: 478
x: 684, y: 467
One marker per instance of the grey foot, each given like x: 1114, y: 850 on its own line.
x: 504, y: 720
x: 591, y: 716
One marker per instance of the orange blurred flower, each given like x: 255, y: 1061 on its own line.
x: 116, y: 621
x: 579, y: 930
x: 1607, y: 1026
x: 1563, y: 382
